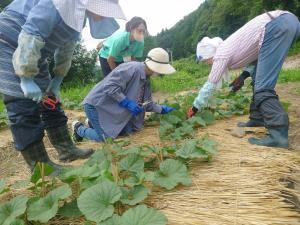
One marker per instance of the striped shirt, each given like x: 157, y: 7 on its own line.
x: 242, y: 47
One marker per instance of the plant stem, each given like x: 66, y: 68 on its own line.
x: 43, y: 180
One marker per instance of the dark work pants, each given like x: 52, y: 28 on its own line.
x: 28, y: 119
x: 280, y: 34
x: 105, y: 66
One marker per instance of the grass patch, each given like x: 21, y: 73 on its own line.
x: 295, y: 49
x: 291, y: 75
x: 73, y: 96
x: 3, y: 115
x: 285, y: 105
x: 2, y: 107
x: 189, y: 75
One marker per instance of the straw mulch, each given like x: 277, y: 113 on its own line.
x: 243, y: 185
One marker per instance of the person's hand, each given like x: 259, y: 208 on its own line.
x: 166, y: 109
x: 191, y: 112
x: 239, y: 82
x: 132, y: 106
x: 54, y: 85
x: 30, y: 89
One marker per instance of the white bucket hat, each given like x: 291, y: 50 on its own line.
x: 207, y: 48
x: 73, y: 11
x: 158, y: 61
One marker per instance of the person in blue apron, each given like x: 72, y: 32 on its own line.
x: 117, y: 104
x: 123, y: 46
x: 30, y: 32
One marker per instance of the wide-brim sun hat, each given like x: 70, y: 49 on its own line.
x: 106, y: 8
x: 73, y: 12
x: 159, y: 62
x: 207, y: 47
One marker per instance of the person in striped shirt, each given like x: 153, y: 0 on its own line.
x: 264, y: 42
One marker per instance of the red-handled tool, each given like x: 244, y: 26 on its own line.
x: 50, y: 102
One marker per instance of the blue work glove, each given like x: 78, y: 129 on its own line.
x: 166, y: 109
x: 54, y: 85
x: 30, y: 89
x: 132, y: 106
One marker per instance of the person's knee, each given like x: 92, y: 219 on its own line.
x: 99, y: 138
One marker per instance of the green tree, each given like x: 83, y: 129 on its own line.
x: 216, y: 18
x: 4, y: 3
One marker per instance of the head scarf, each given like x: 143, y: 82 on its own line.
x: 207, y: 48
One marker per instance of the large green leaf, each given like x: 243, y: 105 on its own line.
x: 134, y: 195
x: 3, y: 187
x: 85, y: 171
x: 189, y: 150
x: 165, y: 128
x: 171, y: 172
x: 207, y: 116
x: 141, y: 215
x: 96, y: 203
x: 203, y: 148
x: 139, y: 178
x: 132, y: 163
x: 185, y: 130
x: 97, y: 158
x: 17, y: 222
x: 36, y: 175
x: 70, y: 209
x: 196, y: 121
x: 208, y: 145
x: 143, y: 151
x: 46, y: 208
x: 9, y: 211
x: 114, y: 220
x: 19, y: 184
x: 173, y: 119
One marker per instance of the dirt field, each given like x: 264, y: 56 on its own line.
x: 243, y: 185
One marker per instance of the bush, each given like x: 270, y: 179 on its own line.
x: 83, y: 69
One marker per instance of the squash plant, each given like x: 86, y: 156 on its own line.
x: 112, y: 186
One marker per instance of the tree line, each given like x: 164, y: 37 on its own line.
x: 214, y: 18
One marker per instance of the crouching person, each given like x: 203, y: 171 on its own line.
x: 117, y: 105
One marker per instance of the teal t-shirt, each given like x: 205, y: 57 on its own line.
x: 119, y: 45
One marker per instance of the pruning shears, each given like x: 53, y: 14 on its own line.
x: 144, y: 104
x: 50, y: 102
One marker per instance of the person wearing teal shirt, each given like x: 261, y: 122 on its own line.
x: 123, y: 46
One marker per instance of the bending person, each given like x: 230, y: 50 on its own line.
x: 116, y: 105
x: 30, y: 32
x: 123, y: 46
x: 265, y: 39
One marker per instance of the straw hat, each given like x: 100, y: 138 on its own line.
x: 207, y: 48
x: 158, y: 61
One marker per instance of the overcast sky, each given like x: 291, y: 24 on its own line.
x: 158, y: 14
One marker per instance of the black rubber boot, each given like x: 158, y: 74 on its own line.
x: 252, y: 123
x: 35, y: 153
x: 62, y: 142
x: 277, y: 137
